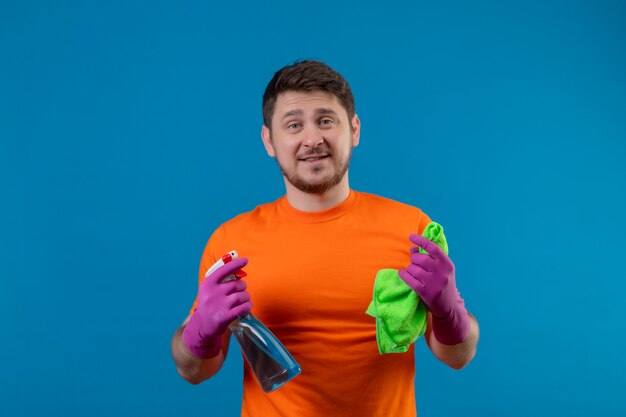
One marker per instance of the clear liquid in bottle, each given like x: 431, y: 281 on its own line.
x: 270, y: 361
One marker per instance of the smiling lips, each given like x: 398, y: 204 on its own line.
x: 313, y: 158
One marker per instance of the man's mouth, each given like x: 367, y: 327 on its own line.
x: 313, y: 158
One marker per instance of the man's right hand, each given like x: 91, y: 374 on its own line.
x: 219, y: 303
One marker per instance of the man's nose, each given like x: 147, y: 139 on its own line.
x: 312, y: 137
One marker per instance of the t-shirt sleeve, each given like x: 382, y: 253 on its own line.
x: 422, y: 221
x: 213, y: 251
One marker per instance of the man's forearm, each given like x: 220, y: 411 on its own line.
x: 455, y: 356
x: 189, y: 366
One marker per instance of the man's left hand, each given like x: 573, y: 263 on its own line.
x: 431, y: 276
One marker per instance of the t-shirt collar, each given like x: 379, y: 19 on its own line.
x: 325, y: 215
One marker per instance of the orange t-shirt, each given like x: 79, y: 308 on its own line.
x: 311, y: 278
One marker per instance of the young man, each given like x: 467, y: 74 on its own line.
x: 311, y: 259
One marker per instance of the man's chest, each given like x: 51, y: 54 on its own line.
x: 318, y: 273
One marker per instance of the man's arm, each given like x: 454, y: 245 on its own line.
x: 455, y: 356
x: 200, y: 345
x: 192, y: 368
x: 451, y: 332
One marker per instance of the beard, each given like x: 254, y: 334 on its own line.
x: 322, y: 185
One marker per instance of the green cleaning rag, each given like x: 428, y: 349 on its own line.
x: 399, y: 312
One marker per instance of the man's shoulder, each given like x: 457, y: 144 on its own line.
x: 385, y: 203
x: 259, y: 214
x: 392, y: 215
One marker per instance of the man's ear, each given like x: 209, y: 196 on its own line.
x: 267, y: 141
x: 356, y: 130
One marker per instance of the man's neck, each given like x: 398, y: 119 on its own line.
x: 316, y: 202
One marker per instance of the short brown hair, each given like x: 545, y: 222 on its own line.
x: 307, y: 75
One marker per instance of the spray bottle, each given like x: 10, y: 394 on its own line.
x: 271, y: 362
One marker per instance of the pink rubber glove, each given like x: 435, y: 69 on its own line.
x: 431, y: 276
x: 219, y: 303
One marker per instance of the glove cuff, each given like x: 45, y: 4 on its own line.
x: 203, y: 348
x: 454, y: 328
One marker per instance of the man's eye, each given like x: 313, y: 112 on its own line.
x: 293, y: 125
x: 326, y: 122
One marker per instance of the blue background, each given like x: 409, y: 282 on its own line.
x: 130, y: 130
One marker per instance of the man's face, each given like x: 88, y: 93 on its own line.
x: 312, y: 139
